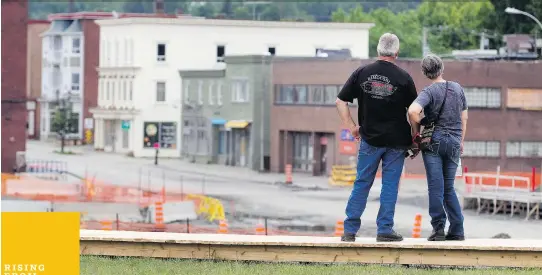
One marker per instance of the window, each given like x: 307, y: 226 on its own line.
x: 57, y: 43
x: 271, y: 50
x: 303, y: 151
x: 131, y: 91
x: 75, y: 81
x: 76, y: 45
x: 186, y: 91
x: 481, y: 148
x: 291, y: 94
x: 161, y: 52
x: 483, y: 97
x: 108, y: 89
x: 524, y: 149
x: 221, y: 142
x: 124, y: 89
x: 240, y: 91
x: 75, y: 62
x: 220, y: 52
x: 160, y: 91
x: 211, y: 93
x: 200, y: 92
x: 101, y: 88
x: 317, y: 94
x: 219, y: 94
x: 330, y: 94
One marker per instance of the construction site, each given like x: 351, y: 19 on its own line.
x: 115, y: 192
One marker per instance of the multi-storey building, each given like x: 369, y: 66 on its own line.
x: 71, y: 50
x: 504, y: 127
x: 226, y: 113
x: 33, y: 74
x: 14, y: 25
x: 148, y: 52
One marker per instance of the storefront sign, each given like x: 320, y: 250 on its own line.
x: 125, y: 125
x: 163, y: 133
x: 348, y: 147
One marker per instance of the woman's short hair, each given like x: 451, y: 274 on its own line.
x: 432, y: 66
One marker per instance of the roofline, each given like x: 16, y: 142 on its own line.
x: 103, y: 15
x: 234, y: 23
x: 32, y: 22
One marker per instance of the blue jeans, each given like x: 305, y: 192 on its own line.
x: 441, y: 161
x: 392, y: 166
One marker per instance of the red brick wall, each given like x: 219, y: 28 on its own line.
x: 484, y: 124
x: 91, y: 59
x: 14, y: 24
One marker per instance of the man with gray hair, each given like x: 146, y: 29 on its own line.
x: 384, y: 92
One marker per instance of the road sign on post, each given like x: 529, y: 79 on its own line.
x: 125, y: 125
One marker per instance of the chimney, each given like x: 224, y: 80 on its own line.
x: 159, y: 6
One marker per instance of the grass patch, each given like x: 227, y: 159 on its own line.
x: 95, y: 265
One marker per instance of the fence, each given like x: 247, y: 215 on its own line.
x: 496, y: 193
x: 89, y: 190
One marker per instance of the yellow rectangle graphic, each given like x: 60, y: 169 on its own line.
x: 40, y: 243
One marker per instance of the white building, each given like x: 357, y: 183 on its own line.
x: 140, y: 58
x: 62, y: 75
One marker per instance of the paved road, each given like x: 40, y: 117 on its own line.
x: 310, y: 201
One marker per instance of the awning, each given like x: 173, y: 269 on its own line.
x: 218, y: 121
x: 237, y: 124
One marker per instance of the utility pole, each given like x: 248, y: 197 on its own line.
x: 262, y: 113
x: 425, y: 46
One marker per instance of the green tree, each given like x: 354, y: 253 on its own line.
x: 206, y: 10
x: 270, y: 13
x: 463, y: 23
x: 339, y: 16
x: 242, y: 13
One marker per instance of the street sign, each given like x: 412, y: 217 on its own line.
x: 346, y: 135
x: 125, y: 125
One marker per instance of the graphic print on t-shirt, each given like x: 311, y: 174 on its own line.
x: 378, y: 86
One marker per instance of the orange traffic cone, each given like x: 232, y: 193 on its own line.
x: 107, y: 225
x: 339, y: 228
x: 260, y: 229
x: 159, y: 215
x: 223, y: 227
x: 417, y: 230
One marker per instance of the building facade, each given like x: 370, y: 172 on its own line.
x: 33, y: 74
x: 504, y: 127
x: 14, y: 95
x: 71, y: 53
x: 226, y: 113
x: 144, y: 51
x: 305, y: 127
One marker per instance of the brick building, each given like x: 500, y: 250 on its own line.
x: 14, y: 21
x: 505, y: 113
x: 33, y: 74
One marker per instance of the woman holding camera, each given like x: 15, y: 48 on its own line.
x: 445, y: 108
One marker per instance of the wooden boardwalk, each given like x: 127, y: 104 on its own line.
x: 475, y: 252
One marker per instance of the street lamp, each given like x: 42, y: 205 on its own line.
x: 516, y: 11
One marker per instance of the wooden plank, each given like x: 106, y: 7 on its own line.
x: 478, y: 252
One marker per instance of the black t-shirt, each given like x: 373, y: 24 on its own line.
x: 384, y: 92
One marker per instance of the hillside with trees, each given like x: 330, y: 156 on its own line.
x: 461, y: 22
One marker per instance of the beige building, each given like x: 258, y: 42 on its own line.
x: 33, y: 74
